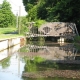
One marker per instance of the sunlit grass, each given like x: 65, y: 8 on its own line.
x: 3, y: 34
x: 7, y: 36
x: 7, y: 30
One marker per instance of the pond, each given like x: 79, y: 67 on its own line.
x: 40, y: 61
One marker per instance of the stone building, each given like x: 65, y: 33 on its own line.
x: 58, y: 29
x: 62, y: 30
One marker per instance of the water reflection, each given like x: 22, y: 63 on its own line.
x: 11, y: 65
x: 42, y: 61
x: 51, y: 52
x: 37, y: 58
x: 8, y: 52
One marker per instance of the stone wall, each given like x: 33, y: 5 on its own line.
x: 6, y: 43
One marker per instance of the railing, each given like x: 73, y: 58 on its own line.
x: 64, y: 35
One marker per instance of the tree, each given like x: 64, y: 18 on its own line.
x: 29, y: 4
x: 32, y: 15
x: 24, y: 25
x: 55, y: 10
x: 7, y: 18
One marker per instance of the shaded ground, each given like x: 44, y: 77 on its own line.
x: 53, y: 73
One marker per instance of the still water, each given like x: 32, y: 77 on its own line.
x: 35, y: 61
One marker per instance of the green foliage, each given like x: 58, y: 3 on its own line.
x: 31, y: 65
x: 49, y: 64
x: 77, y: 39
x: 39, y: 22
x: 38, y: 59
x: 77, y: 46
x: 7, y: 18
x: 24, y: 25
x: 41, y: 41
x: 54, y: 10
x: 5, y: 63
x: 7, y: 30
x: 29, y: 4
x: 24, y: 29
x: 33, y: 13
x: 77, y: 42
x: 24, y: 49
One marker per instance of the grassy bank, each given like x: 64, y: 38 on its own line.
x: 7, y: 30
x: 8, y: 33
x: 7, y: 36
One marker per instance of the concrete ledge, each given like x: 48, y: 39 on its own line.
x: 7, y: 43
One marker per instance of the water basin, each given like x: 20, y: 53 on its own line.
x: 38, y: 62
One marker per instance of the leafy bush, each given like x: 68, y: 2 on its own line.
x: 77, y: 39
x: 39, y: 22
x: 38, y: 59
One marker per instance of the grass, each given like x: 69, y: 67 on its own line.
x: 7, y: 30
x: 4, y: 31
x: 4, y: 36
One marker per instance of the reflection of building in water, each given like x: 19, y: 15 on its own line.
x: 70, y: 50
x: 65, y: 52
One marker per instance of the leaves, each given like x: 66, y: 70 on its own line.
x: 7, y: 18
x: 54, y: 10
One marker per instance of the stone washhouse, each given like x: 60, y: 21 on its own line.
x: 64, y: 30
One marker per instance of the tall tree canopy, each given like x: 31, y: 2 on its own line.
x: 7, y: 17
x: 54, y: 10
